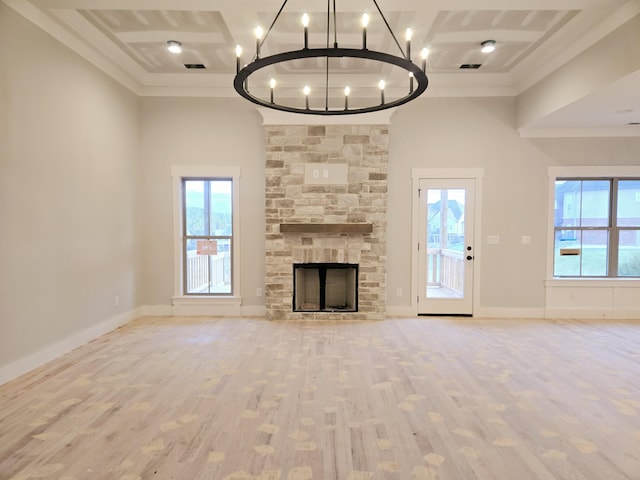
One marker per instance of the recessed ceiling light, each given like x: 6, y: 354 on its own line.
x: 488, y: 46
x: 174, y: 46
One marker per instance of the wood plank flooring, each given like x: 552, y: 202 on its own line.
x: 402, y: 399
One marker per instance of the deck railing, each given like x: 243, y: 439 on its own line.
x: 204, y: 271
x: 446, y: 269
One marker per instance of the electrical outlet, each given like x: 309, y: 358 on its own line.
x: 116, y: 301
x: 258, y: 292
x: 398, y: 292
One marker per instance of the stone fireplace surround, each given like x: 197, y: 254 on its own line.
x: 361, y: 200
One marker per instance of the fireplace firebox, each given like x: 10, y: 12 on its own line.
x: 325, y: 287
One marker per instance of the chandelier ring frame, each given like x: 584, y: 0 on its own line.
x: 240, y: 81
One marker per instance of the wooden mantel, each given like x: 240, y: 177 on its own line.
x: 326, y: 227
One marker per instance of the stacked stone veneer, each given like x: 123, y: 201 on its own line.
x: 362, y: 200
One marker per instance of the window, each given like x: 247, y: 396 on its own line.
x: 207, y: 236
x: 596, y: 227
x: 206, y: 233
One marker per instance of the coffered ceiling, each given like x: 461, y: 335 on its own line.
x: 535, y: 40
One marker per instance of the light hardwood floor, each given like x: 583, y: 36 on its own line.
x: 404, y: 399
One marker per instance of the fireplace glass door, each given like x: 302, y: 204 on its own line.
x: 325, y: 287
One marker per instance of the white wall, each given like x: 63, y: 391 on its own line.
x: 473, y: 133
x: 427, y: 133
x: 68, y: 151
x: 480, y: 133
x: 192, y: 132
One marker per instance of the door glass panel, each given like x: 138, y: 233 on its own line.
x: 445, y: 243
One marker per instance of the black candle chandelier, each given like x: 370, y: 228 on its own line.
x: 416, y: 82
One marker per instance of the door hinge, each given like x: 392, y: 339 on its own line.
x: 418, y: 299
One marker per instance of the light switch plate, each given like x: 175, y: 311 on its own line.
x: 326, y: 173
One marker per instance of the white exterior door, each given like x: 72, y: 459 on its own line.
x: 446, y: 246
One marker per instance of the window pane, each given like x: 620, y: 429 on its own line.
x: 197, y: 270
x: 566, y: 261
x: 220, y: 268
x: 209, y: 273
x: 581, y: 253
x: 195, y: 207
x: 629, y: 253
x: 567, y: 203
x: 595, y: 203
x: 629, y: 203
x: 221, y: 214
x: 595, y: 253
x: 582, y: 203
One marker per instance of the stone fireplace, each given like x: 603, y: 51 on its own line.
x: 326, y: 203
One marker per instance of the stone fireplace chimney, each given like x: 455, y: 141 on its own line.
x: 326, y: 202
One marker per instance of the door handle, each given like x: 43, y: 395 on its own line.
x: 469, y: 257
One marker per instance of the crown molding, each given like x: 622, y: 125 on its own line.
x: 277, y: 117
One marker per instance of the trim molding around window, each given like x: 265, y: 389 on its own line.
x: 178, y: 175
x: 585, y: 173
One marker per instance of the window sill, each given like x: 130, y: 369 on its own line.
x: 592, y: 282
x: 207, y: 300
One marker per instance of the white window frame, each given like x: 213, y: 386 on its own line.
x: 178, y: 174
x: 585, y: 172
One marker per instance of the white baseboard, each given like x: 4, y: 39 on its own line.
x: 497, y: 312
x: 593, y: 314
x: 26, y: 364
x: 484, y: 312
x: 254, y: 311
x: 204, y: 310
x: 157, y: 310
x: 400, y: 311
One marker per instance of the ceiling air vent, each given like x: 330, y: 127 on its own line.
x: 470, y: 66
x: 194, y: 65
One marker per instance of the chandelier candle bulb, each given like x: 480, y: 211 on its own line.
x: 410, y: 82
x: 272, y: 85
x: 238, y: 55
x: 381, y: 85
x: 365, y: 23
x: 258, y: 32
x: 347, y: 91
x: 407, y: 37
x: 306, y: 90
x: 305, y: 25
x: 424, y: 55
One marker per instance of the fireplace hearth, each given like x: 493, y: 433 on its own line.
x: 325, y: 287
